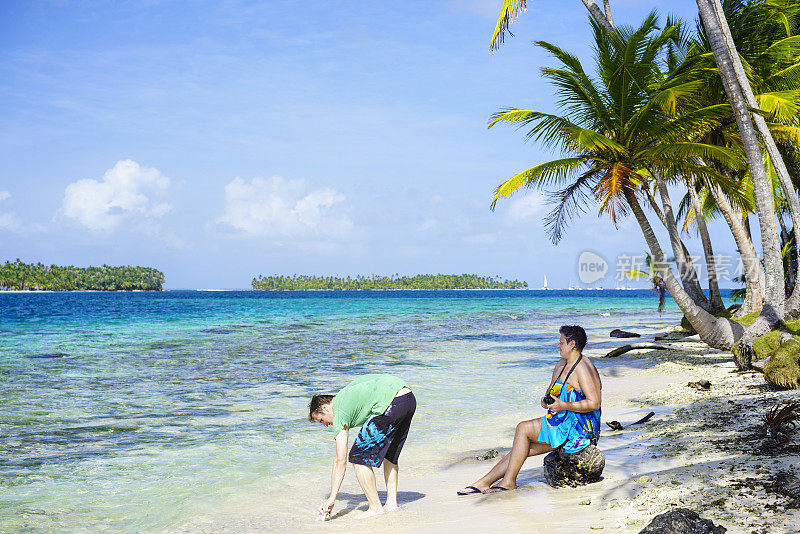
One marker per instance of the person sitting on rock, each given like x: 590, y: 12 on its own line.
x: 572, y: 420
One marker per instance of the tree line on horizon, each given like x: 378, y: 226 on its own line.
x: 709, y: 109
x: 39, y: 277
x: 376, y: 282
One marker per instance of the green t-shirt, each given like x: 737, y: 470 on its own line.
x: 362, y: 398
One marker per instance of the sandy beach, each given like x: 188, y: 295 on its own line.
x: 700, y: 451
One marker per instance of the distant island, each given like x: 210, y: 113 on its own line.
x: 375, y: 282
x: 19, y: 276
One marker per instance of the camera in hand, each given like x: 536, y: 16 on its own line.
x: 548, y: 399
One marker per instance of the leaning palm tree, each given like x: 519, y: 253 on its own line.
x: 617, y: 130
x: 740, y: 94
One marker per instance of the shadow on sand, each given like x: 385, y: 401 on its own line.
x: 354, y: 500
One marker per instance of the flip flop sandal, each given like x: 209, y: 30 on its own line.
x: 473, y: 491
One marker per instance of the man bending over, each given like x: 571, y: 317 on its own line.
x: 384, y: 405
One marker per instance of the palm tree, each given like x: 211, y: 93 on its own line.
x: 656, y: 280
x: 618, y: 132
x: 615, y: 130
x: 739, y: 92
x: 761, y: 17
x: 772, y: 312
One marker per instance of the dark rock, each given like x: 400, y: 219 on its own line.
x: 702, y: 385
x: 51, y: 355
x: 614, y: 425
x: 488, y: 455
x: 675, y: 335
x: 758, y: 365
x: 622, y: 333
x: 564, y: 469
x: 789, y: 485
x: 681, y: 521
x: 686, y: 325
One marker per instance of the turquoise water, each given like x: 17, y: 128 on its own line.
x: 139, y: 411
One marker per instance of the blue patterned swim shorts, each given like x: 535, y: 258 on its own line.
x: 383, y: 436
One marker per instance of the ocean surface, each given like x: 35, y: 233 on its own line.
x: 144, y: 412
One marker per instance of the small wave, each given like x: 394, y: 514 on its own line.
x: 49, y: 355
x: 217, y: 331
x: 605, y: 314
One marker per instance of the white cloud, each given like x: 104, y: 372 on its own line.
x: 9, y: 220
x: 281, y: 209
x: 126, y: 193
x: 526, y: 208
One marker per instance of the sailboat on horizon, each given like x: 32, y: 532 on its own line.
x: 544, y: 285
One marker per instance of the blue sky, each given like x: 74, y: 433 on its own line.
x: 221, y: 140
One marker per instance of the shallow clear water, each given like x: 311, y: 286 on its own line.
x: 138, y: 411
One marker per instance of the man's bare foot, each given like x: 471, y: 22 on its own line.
x: 369, y: 513
x: 390, y: 507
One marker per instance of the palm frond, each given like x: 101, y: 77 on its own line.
x: 542, y: 175
x: 788, y: 48
x: 578, y: 96
x: 544, y: 127
x: 609, y: 191
x: 687, y: 151
x: 584, y: 139
x: 509, y: 11
x: 569, y: 201
x: 787, y: 77
x: 780, y: 105
x: 785, y: 134
x: 690, y: 123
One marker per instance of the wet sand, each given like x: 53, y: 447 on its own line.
x: 700, y: 451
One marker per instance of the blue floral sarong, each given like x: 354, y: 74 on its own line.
x: 573, y: 430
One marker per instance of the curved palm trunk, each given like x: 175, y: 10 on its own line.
x: 711, y: 265
x: 598, y: 14
x: 789, y: 264
x: 663, y: 219
x: 607, y: 9
x: 686, y: 269
x: 717, y: 332
x: 774, y: 301
x: 772, y: 149
x: 753, y: 270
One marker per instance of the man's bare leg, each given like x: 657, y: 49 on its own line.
x: 366, y: 478
x: 390, y: 476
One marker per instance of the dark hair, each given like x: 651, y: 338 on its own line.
x: 574, y: 333
x: 316, y: 403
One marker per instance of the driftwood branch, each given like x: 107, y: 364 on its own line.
x: 633, y: 346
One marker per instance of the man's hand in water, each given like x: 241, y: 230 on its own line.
x: 327, y: 506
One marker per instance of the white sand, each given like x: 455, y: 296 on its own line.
x: 674, y: 460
